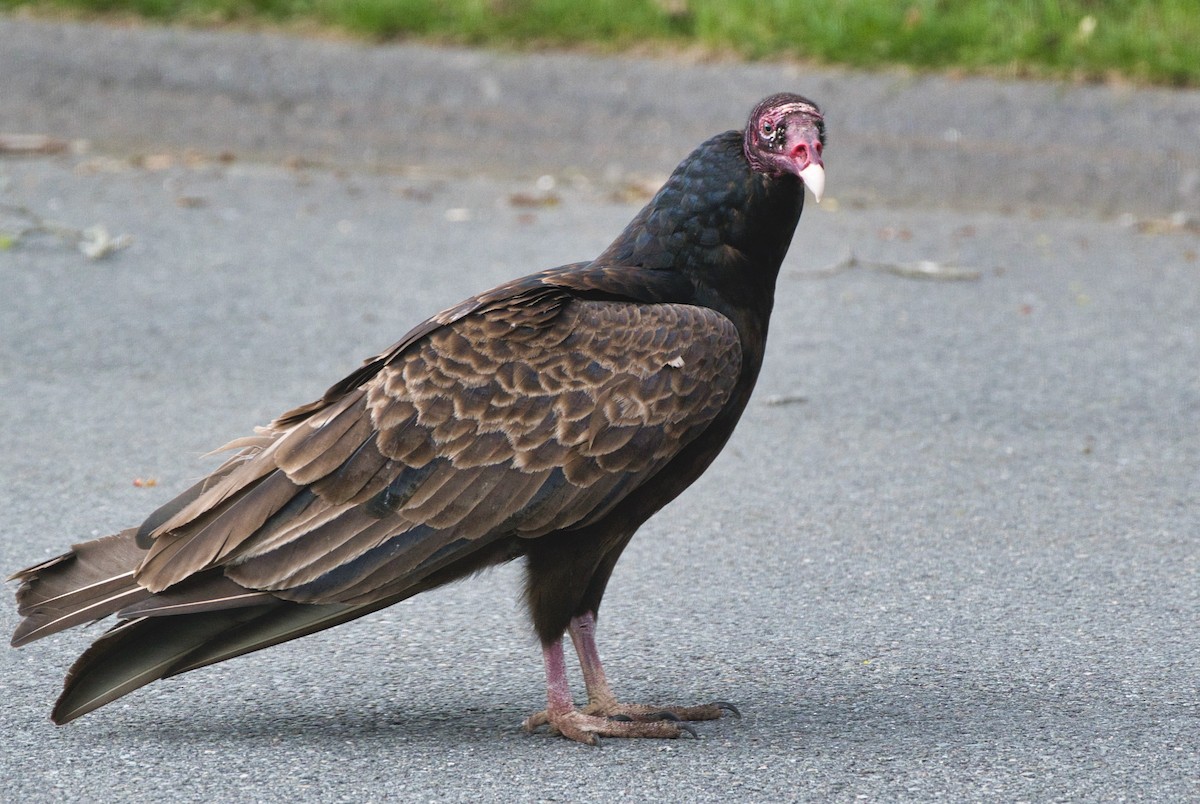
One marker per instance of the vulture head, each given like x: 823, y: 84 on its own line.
x: 786, y: 134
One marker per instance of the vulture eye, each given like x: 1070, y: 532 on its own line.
x: 768, y: 129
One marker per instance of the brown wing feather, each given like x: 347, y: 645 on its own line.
x: 516, y: 418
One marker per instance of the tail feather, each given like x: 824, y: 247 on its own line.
x: 132, y: 655
x: 283, y: 623
x: 89, y: 583
x: 203, y: 620
x: 210, y: 591
x: 140, y: 651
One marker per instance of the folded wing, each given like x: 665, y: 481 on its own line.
x: 521, y: 418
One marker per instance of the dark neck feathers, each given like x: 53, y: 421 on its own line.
x: 723, y: 226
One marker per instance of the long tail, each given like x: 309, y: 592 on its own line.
x: 139, y: 651
x: 96, y: 578
x: 89, y: 583
x: 203, y: 620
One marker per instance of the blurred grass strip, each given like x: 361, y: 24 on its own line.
x: 1154, y: 41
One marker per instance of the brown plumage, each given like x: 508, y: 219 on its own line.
x: 546, y: 418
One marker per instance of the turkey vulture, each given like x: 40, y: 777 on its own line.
x: 547, y: 418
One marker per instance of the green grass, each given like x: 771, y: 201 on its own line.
x: 1153, y: 41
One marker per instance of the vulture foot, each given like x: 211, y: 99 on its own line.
x: 585, y: 728
x: 642, y: 712
x: 604, y: 715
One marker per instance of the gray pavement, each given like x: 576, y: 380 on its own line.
x: 949, y: 554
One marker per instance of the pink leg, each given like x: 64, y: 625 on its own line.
x: 583, y: 635
x: 558, y: 693
x: 562, y: 716
x: 601, y: 700
x: 604, y: 716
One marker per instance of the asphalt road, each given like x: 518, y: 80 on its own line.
x: 949, y: 554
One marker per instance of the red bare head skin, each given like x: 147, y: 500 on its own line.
x: 786, y: 134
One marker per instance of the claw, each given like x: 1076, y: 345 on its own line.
x: 535, y: 722
x: 683, y: 726
x: 621, y: 718
x: 733, y: 710
x: 665, y: 716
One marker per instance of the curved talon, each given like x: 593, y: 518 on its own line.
x: 733, y: 710
x: 535, y: 722
x: 621, y: 718
x: 682, y: 726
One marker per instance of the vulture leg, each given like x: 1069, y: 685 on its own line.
x: 563, y: 718
x: 604, y: 716
x: 601, y: 700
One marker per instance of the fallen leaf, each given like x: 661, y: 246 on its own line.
x: 31, y: 144
x: 530, y: 200
x: 96, y: 243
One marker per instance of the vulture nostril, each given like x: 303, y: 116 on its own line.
x: 806, y: 152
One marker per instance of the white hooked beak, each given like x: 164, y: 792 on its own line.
x: 813, y: 177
